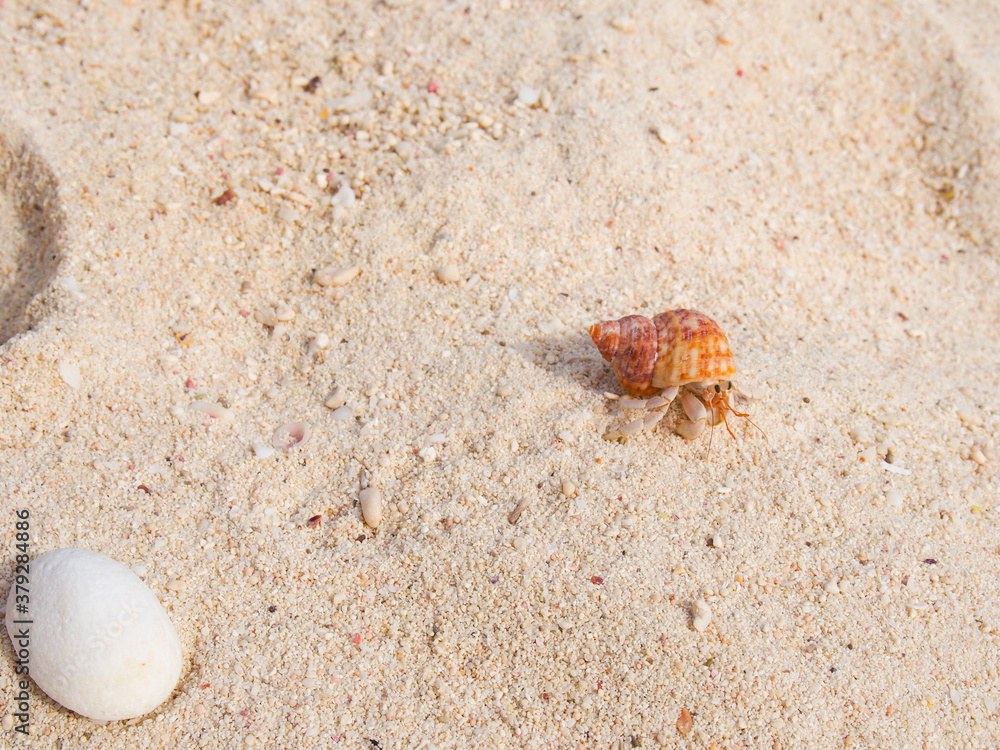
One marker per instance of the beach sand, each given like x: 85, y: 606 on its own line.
x: 821, y: 178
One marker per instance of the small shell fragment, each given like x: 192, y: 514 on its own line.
x: 334, y: 276
x: 291, y: 435
x: 893, y: 469
x: 518, y: 510
x: 970, y: 418
x: 371, y: 506
x: 448, y: 273
x: 70, y: 374
x: 666, y: 134
x: 214, y: 410
x: 266, y: 316
x: 684, y: 722
x: 701, y: 615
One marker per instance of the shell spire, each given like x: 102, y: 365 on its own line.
x: 630, y: 345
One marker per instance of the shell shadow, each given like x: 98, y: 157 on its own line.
x: 31, y: 226
x: 571, y: 357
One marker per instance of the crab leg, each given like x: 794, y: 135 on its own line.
x: 657, y: 406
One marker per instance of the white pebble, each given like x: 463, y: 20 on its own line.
x: 337, y: 398
x: 344, y: 198
x: 666, y: 134
x: 894, y: 499
x: 287, y: 214
x: 701, y: 615
x: 70, y: 374
x: 832, y: 586
x: 100, y: 643
x: 343, y: 413
x: 262, y: 451
x: 861, y: 435
x: 868, y: 454
x: 624, y: 23
x: 371, y: 506
x: 448, y: 273
x: 970, y: 418
x: 321, y: 341
x: 527, y: 96
x: 266, y: 316
x: 427, y: 454
x: 283, y: 312
x: 333, y: 276
x: 567, y: 487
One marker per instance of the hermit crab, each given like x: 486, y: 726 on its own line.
x: 681, y: 351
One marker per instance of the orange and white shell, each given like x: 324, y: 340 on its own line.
x: 673, y: 349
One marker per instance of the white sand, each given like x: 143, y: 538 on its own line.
x: 821, y: 178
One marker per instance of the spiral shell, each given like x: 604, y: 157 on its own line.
x: 673, y: 349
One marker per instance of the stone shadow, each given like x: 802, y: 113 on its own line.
x: 31, y: 226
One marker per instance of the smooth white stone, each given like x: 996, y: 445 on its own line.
x: 98, y: 642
